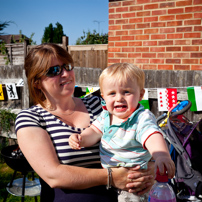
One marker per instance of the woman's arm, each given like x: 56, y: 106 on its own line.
x: 38, y: 149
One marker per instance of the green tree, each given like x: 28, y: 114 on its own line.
x: 3, y: 25
x: 92, y: 38
x: 53, y: 34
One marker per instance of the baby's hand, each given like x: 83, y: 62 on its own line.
x: 165, y: 161
x: 74, y: 141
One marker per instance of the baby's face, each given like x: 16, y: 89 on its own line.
x: 121, y: 98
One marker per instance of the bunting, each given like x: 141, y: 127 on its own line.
x: 195, y: 96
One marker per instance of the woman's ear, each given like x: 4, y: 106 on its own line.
x: 37, y: 84
x: 142, y: 91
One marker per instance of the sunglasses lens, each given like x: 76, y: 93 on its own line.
x: 68, y: 67
x: 53, y: 71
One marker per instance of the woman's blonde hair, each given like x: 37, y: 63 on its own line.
x: 123, y: 73
x: 37, y: 62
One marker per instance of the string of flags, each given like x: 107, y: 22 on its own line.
x: 167, y: 97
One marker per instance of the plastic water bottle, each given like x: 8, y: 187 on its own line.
x: 161, y: 191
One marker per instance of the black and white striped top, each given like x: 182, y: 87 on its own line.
x: 60, y: 132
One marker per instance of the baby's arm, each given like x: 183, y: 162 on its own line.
x: 87, y: 138
x: 159, y: 151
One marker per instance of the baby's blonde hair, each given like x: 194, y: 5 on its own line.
x: 123, y: 73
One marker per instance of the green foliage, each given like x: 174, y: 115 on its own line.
x: 6, y: 119
x: 3, y: 25
x: 53, y: 34
x: 23, y: 38
x: 4, y: 51
x: 92, y: 38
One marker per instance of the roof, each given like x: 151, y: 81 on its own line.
x: 12, y: 38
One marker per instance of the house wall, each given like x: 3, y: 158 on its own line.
x: 156, y: 34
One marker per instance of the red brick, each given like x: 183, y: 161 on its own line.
x: 182, y: 67
x: 190, y: 48
x: 184, y: 16
x: 174, y: 23
x: 151, y: 6
x: 158, y: 36
x: 197, y: 2
x: 121, y: 21
x: 114, y: 16
x: 182, y: 42
x: 146, y: 61
x: 110, y: 55
x: 122, y: 9
x: 196, y: 67
x: 197, y: 42
x: 166, y: 17
x: 174, y: 61
x: 165, y: 43
x: 149, y: 67
x: 136, y: 8
x: 193, y: 9
x: 128, y: 15
x: 150, y: 19
x: 165, y: 67
x: 135, y: 32
x: 167, y: 30
x: 167, y: 5
x: 111, y: 22
x: 164, y: 55
x: 174, y: 36
x: 196, y: 55
x: 184, y: 3
x: 121, y: 43
x: 159, y: 12
x: 143, y: 13
x: 128, y: 49
x: 197, y: 15
x: 114, y: 60
x: 150, y: 31
x: 180, y: 55
x: 200, y: 61
x: 125, y: 32
x: 127, y: 38
x: 135, y: 20
x: 111, y: 10
x: 135, y: 43
x: 111, y: 33
x: 157, y: 49
x: 148, y: 55
x: 197, y: 28
x: 143, y: 1
x: 134, y: 55
x: 141, y: 37
x: 143, y: 25
x: 115, y: 27
x: 121, y: 55
x: 149, y: 43
x: 184, y: 29
x: 128, y: 60
x: 192, y: 22
x: 171, y: 49
x: 129, y: 3
x: 190, y: 61
x: 158, y: 24
x: 129, y: 26
x: 157, y: 61
x: 114, y: 49
x: 110, y: 44
x: 142, y: 49
x: 175, y: 10
x: 192, y: 35
x: 116, y: 38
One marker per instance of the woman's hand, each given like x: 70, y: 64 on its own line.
x: 141, y: 180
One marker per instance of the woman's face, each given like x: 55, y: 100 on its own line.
x: 62, y: 85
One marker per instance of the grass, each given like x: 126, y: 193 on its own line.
x: 6, y: 174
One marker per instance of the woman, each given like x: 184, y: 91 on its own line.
x: 43, y: 131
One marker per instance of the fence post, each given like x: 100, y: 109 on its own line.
x: 65, y: 42
x: 25, y: 47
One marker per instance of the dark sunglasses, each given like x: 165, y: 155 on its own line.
x: 57, y: 70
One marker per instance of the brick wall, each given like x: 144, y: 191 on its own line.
x: 156, y: 34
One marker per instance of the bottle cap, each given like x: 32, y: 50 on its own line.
x: 161, y: 178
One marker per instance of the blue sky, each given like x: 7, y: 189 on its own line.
x: 76, y: 16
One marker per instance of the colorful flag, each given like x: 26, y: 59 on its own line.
x: 195, y: 96
x: 1, y: 93
x: 167, y: 97
x: 145, y: 100
x: 11, y: 91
